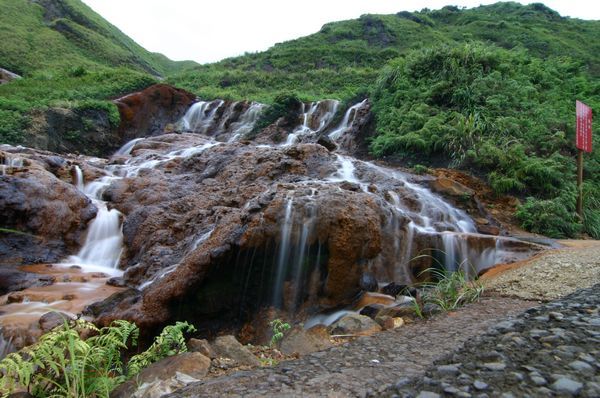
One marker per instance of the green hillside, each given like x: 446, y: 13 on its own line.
x: 344, y: 58
x: 69, y: 57
x: 54, y: 34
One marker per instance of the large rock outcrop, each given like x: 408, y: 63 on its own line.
x: 44, y: 216
x: 216, y: 231
x: 148, y: 112
x: 66, y: 130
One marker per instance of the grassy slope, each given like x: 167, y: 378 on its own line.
x: 70, y: 57
x: 54, y: 34
x: 345, y: 57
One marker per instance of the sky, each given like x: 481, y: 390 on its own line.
x: 210, y: 30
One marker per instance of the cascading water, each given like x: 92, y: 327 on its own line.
x: 104, y: 241
x: 315, y: 118
x: 284, y: 253
x: 227, y: 125
x: 79, y: 183
x: 246, y: 122
x: 9, y: 164
x: 128, y: 147
x: 347, y: 121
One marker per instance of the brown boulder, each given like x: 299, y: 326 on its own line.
x: 202, y: 346
x: 165, y: 376
x: 229, y: 347
x: 354, y: 324
x: 48, y: 215
x: 302, y: 341
x: 148, y: 112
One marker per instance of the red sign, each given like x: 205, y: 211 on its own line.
x: 584, y: 126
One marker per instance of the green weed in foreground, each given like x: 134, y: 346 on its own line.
x: 451, y: 290
x: 278, y: 327
x: 62, y: 364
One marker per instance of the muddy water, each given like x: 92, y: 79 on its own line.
x: 72, y: 290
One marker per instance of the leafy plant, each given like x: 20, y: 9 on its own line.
x: 451, y: 289
x: 278, y: 328
x: 62, y: 364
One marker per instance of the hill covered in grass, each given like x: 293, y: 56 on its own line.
x: 55, y: 34
x: 344, y: 58
x: 69, y: 57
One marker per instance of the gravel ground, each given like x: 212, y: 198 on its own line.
x: 552, y: 275
x: 552, y: 350
x: 365, y: 366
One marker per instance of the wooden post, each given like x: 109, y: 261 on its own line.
x: 580, y: 183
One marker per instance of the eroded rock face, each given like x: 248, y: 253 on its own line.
x: 148, y: 112
x: 49, y: 216
x: 6, y: 76
x: 63, y: 130
x: 216, y: 231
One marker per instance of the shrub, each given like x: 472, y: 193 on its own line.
x: 555, y: 218
x: 286, y: 105
x: 63, y: 364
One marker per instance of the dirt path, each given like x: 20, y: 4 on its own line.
x: 549, y: 275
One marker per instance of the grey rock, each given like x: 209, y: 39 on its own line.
x: 566, y: 385
x: 447, y: 370
x: 229, y: 347
x: 582, y: 367
x: 495, y: 366
x: 480, y: 385
x: 428, y: 394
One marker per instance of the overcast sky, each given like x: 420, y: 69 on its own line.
x: 210, y: 30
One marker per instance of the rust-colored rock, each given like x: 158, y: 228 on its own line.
x: 148, y: 112
x: 48, y: 214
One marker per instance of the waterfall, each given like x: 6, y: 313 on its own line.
x: 200, y: 117
x: 78, y: 178
x: 347, y: 121
x: 9, y: 163
x: 128, y: 147
x: 284, y: 253
x: 104, y: 241
x: 315, y: 118
x: 247, y: 120
x: 345, y: 171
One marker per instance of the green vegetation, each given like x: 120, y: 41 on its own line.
x: 345, y: 57
x: 278, y: 327
x: 62, y: 364
x: 502, y: 113
x: 90, y: 90
x: 58, y: 34
x: 450, y: 290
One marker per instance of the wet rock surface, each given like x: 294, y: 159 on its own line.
x: 551, y: 350
x: 150, y: 111
x: 367, y: 365
x: 46, y: 217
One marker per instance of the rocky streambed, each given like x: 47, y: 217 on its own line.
x: 229, y: 233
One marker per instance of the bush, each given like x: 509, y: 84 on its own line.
x: 286, y: 105
x: 555, y: 218
x: 63, y: 364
